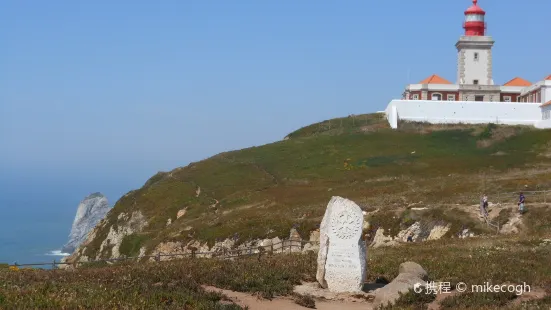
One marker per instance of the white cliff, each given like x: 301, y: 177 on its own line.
x: 90, y: 211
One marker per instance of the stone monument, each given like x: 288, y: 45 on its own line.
x: 341, y: 258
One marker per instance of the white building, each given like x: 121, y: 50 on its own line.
x: 474, y: 98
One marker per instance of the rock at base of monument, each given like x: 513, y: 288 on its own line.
x: 381, y: 280
x: 342, y: 254
x: 411, y: 274
x: 313, y: 289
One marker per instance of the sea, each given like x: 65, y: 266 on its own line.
x: 36, y: 213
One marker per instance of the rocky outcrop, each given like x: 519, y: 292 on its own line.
x: 411, y: 275
x: 170, y: 250
x: 126, y: 224
x: 380, y: 239
x: 130, y: 224
x: 419, y: 232
x: 90, y: 212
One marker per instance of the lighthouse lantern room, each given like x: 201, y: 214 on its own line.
x: 474, y: 24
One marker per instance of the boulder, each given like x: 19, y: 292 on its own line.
x: 410, y: 275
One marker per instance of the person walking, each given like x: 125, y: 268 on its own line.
x: 521, y: 202
x: 484, y: 206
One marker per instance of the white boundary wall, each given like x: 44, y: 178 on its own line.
x: 467, y: 112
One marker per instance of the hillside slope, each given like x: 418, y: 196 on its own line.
x: 262, y: 192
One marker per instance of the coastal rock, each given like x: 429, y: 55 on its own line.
x: 127, y: 225
x: 90, y: 212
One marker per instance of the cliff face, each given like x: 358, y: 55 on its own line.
x: 90, y: 211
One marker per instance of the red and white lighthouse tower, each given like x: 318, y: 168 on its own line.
x: 474, y: 24
x: 474, y: 59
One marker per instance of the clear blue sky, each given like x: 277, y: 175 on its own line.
x: 103, y: 94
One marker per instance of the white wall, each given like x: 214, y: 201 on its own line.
x: 433, y: 87
x: 546, y: 112
x: 468, y: 112
x: 544, y: 124
x: 477, y: 69
x: 546, y: 93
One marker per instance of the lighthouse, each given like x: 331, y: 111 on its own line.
x: 474, y: 50
x: 474, y: 72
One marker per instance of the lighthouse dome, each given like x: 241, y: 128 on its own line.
x: 475, y: 9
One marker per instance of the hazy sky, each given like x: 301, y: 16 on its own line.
x: 104, y: 94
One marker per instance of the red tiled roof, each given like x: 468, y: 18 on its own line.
x: 434, y: 79
x: 548, y: 78
x: 518, y: 82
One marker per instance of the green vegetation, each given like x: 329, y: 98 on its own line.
x: 477, y: 300
x: 263, y: 191
x: 166, y: 285
x: 178, y: 284
x: 411, y: 300
x: 131, y: 244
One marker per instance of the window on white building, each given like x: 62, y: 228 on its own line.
x: 475, y: 56
x: 506, y: 98
x: 436, y: 96
x: 475, y: 82
x: 451, y: 97
x: 415, y: 97
x: 518, y: 99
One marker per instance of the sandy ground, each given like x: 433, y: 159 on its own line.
x: 282, y: 303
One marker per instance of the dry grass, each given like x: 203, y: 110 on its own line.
x: 166, y: 285
x: 177, y: 284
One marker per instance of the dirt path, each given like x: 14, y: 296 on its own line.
x: 281, y: 303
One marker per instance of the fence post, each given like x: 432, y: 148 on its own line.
x: 53, y: 264
x: 158, y: 257
x: 544, y: 196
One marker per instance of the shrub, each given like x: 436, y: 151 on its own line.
x: 131, y: 244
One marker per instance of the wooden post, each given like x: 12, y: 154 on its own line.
x: 158, y: 257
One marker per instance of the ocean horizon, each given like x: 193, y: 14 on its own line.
x: 37, y: 213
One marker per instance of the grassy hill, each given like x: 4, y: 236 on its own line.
x: 264, y: 191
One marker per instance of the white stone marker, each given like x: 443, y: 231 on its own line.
x: 341, y: 258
